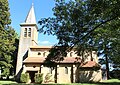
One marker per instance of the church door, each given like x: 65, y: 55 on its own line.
x: 32, y: 75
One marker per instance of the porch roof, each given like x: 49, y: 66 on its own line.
x: 90, y: 64
x: 34, y: 60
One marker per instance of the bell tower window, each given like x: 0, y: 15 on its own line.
x: 29, y: 32
x: 25, y: 32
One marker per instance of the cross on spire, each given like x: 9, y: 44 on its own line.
x: 32, y: 2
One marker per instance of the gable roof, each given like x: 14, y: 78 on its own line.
x: 90, y: 64
x: 43, y: 59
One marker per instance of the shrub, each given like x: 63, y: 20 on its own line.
x: 24, y: 77
x: 48, y: 78
x: 38, y: 78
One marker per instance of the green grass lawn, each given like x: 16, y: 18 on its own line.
x: 6, y: 82
x: 112, y: 80
x: 107, y: 82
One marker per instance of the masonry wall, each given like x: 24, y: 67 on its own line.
x: 64, y: 73
x: 31, y: 67
x: 43, y: 52
x: 50, y: 71
x: 90, y: 76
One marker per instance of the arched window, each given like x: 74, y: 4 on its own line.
x: 71, y: 54
x: 39, y: 53
x: 66, y: 70
x: 29, y: 32
x: 50, y: 70
x: 44, y: 54
x: 25, y: 32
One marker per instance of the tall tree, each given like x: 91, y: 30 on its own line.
x: 85, y: 24
x: 7, y: 38
x: 75, y: 23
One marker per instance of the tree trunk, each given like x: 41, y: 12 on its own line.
x: 107, y: 63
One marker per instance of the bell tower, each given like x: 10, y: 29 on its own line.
x: 28, y: 37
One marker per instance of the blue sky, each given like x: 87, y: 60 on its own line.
x: 43, y: 9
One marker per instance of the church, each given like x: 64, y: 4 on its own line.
x: 31, y: 59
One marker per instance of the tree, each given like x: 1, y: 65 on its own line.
x: 7, y: 39
x: 85, y: 24
x: 76, y: 23
x: 14, y: 57
x: 107, y: 40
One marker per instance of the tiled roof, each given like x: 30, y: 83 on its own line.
x: 66, y: 60
x: 34, y: 60
x: 42, y: 60
x: 90, y: 64
x: 70, y: 60
x: 44, y: 47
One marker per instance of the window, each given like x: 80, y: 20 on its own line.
x: 66, y: 70
x: 71, y: 54
x: 39, y: 53
x: 29, y: 32
x: 25, y: 32
x: 50, y: 70
x: 44, y: 54
x: 34, y: 66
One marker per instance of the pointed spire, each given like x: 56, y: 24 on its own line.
x: 31, y: 16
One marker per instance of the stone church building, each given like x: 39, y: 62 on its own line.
x: 31, y: 58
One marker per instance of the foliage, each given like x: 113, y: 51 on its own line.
x: 48, y: 78
x: 115, y: 74
x: 84, y: 24
x: 14, y: 57
x: 38, y: 78
x: 7, y: 39
x: 24, y: 78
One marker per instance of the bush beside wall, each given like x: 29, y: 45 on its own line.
x: 48, y: 78
x: 38, y: 78
x: 24, y: 77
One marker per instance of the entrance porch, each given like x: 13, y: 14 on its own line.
x: 32, y: 75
